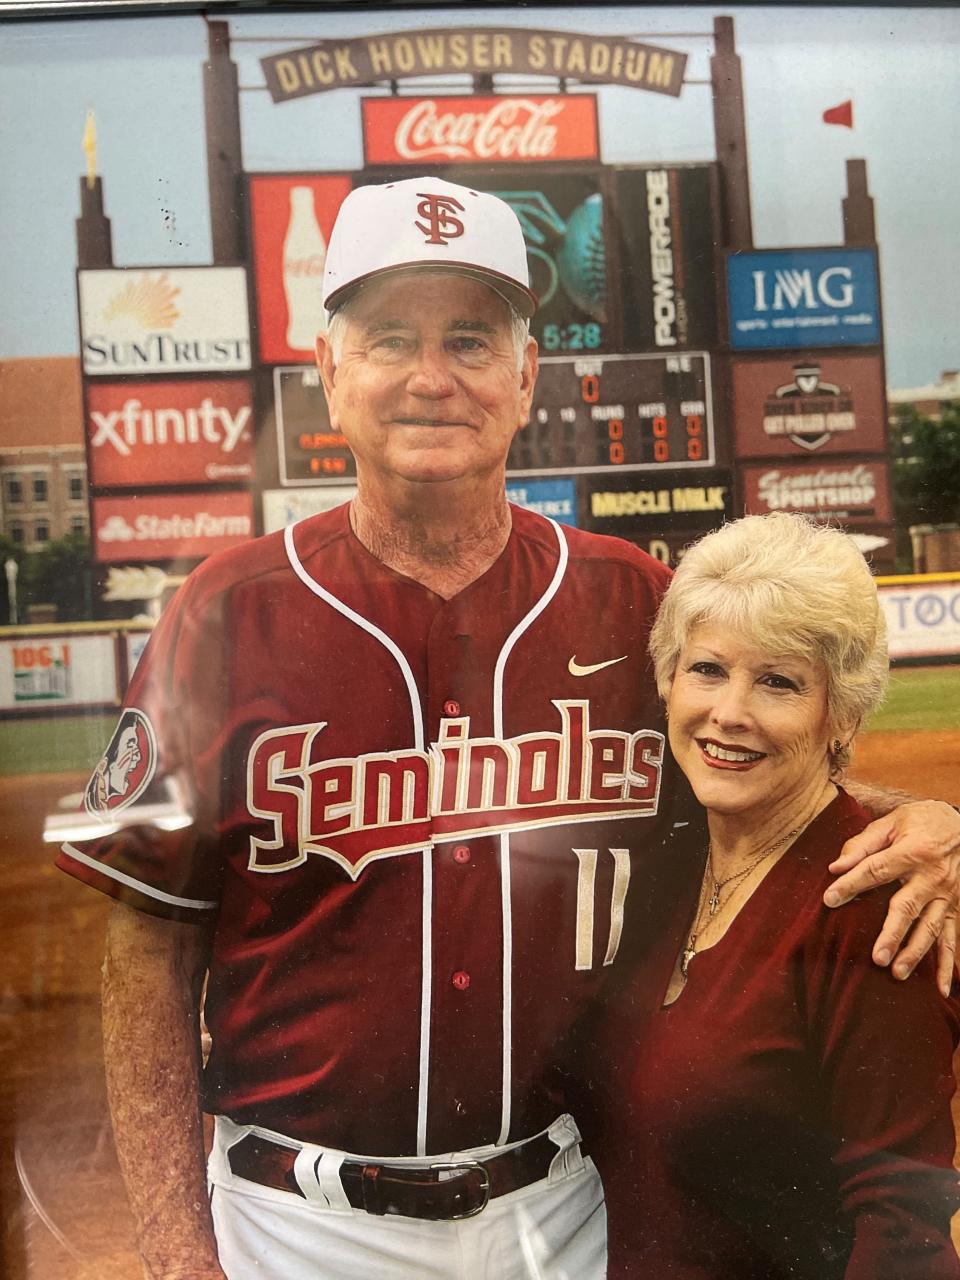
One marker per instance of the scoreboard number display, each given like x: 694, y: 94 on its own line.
x: 310, y: 451
x: 625, y: 412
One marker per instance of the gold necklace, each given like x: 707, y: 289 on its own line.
x: 713, y: 902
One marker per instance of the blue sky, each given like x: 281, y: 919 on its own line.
x: 142, y: 76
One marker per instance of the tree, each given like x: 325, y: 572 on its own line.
x: 926, y: 467
x: 59, y: 573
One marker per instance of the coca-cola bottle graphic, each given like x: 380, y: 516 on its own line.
x: 304, y: 252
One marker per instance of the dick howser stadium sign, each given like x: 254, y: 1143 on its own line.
x: 205, y: 418
x: 356, y: 63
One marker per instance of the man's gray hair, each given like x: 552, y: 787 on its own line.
x: 336, y: 329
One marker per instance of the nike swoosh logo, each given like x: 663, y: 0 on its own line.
x: 575, y: 669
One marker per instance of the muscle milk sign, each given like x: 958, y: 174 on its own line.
x: 509, y: 130
x: 147, y: 434
x: 787, y: 298
x: 184, y: 320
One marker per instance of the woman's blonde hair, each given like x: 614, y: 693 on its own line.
x: 796, y: 589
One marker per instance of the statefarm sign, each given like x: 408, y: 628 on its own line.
x: 149, y: 434
x: 502, y: 129
x: 169, y: 526
x: 400, y: 55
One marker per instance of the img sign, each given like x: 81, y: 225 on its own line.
x: 512, y: 130
x: 180, y: 320
x: 787, y: 298
x: 171, y: 431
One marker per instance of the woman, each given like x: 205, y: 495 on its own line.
x: 790, y: 1105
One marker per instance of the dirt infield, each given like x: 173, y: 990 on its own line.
x: 925, y: 764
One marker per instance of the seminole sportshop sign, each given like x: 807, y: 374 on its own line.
x: 345, y: 64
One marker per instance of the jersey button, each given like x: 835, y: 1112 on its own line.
x: 461, y: 854
x: 451, y: 707
x: 461, y: 980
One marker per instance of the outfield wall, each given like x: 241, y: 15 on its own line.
x: 68, y: 667
x: 84, y: 666
x: 923, y: 616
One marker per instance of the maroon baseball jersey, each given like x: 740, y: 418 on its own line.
x: 419, y: 827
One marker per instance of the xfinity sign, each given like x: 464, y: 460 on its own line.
x: 787, y: 298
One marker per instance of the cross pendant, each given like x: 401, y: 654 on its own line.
x: 715, y: 900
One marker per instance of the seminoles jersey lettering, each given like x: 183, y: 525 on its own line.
x: 379, y: 805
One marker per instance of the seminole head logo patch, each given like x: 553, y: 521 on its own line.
x: 126, y: 768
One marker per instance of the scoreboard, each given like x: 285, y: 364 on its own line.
x: 622, y: 260
x: 590, y: 413
x: 309, y: 450
x: 626, y: 412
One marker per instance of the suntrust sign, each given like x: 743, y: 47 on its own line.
x: 180, y: 320
x: 505, y: 129
x: 148, y: 434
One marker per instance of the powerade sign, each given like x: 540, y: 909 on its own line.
x: 788, y: 298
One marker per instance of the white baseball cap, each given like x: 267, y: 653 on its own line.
x: 427, y: 224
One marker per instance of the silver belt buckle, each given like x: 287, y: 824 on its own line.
x: 466, y: 1166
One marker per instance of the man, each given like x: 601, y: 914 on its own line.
x: 426, y: 771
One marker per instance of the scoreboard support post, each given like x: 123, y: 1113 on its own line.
x: 730, y: 127
x: 859, y: 223
x: 221, y: 109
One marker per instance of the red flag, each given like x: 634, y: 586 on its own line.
x: 842, y: 114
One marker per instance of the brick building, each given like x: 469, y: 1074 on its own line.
x: 931, y: 400
x: 43, y: 472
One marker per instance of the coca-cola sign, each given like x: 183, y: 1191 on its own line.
x: 520, y: 129
x: 852, y: 491
x: 148, y: 434
x: 291, y: 217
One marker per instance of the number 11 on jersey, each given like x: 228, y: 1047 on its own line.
x: 586, y: 882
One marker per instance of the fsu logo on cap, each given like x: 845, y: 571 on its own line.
x: 440, y: 221
x: 126, y: 768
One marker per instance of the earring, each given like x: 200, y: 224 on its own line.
x: 837, y: 746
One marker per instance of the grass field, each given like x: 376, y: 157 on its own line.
x: 920, y: 698
x: 62, y: 744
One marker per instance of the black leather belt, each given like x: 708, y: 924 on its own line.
x: 442, y: 1190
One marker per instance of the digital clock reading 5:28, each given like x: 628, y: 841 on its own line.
x: 571, y: 337
x: 633, y: 412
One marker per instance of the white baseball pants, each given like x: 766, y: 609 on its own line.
x: 554, y: 1229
